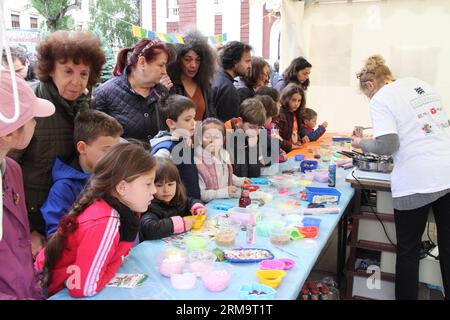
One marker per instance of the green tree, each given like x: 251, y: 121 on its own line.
x: 55, y: 12
x: 112, y: 18
x: 110, y: 59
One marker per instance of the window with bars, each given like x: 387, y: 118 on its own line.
x: 15, y: 21
x: 33, y: 23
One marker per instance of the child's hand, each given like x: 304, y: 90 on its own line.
x: 325, y: 124
x: 247, y: 181
x: 356, y: 141
x: 232, y: 190
x: 188, y: 223
x: 305, y: 139
x: 199, y: 211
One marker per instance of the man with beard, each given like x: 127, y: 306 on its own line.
x: 235, y: 59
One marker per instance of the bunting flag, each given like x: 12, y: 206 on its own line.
x: 140, y: 33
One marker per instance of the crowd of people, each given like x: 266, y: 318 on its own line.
x: 91, y: 170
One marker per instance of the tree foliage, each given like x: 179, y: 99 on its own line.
x: 110, y: 17
x: 55, y: 12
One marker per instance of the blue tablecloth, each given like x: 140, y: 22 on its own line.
x: 142, y: 258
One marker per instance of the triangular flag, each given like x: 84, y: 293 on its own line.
x: 151, y: 35
x: 180, y: 39
x: 224, y: 37
x: 143, y: 33
x: 136, y: 31
x: 172, y: 38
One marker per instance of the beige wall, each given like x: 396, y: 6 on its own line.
x: 412, y: 35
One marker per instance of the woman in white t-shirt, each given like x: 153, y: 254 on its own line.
x: 410, y: 123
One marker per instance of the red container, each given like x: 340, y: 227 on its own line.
x: 309, y: 232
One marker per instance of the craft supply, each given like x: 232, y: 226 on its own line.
x: 332, y: 175
x: 271, y: 278
x: 183, y: 281
x: 280, y: 236
x: 257, y: 291
x: 219, y: 277
x: 251, y: 230
x: 245, y: 200
x: 245, y: 255
x: 122, y: 280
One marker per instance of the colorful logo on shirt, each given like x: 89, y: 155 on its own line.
x: 427, y: 129
x: 433, y: 110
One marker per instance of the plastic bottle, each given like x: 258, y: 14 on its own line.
x: 332, y: 175
x: 251, y: 230
x: 245, y: 200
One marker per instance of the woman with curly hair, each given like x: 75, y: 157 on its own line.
x: 68, y: 62
x: 298, y: 73
x: 192, y: 73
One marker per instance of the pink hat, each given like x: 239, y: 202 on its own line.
x: 30, y: 106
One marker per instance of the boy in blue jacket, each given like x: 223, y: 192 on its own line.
x: 177, y: 114
x: 94, y: 133
x: 309, y: 117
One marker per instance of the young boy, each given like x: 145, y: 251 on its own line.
x: 94, y: 133
x: 17, y: 276
x: 309, y: 117
x: 243, y: 138
x: 177, y: 115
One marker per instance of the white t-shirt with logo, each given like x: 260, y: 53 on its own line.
x: 411, y: 109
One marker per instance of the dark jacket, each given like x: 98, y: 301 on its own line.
x: 69, y: 180
x: 285, y: 123
x: 210, y: 111
x: 246, y: 161
x: 53, y: 136
x: 156, y: 223
x: 243, y: 90
x: 225, y: 96
x: 138, y: 116
x: 163, y: 144
x: 312, y: 134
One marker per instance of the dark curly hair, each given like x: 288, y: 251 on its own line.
x: 290, y: 74
x: 195, y: 41
x: 232, y: 53
x: 79, y: 46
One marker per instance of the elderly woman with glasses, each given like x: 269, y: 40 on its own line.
x: 132, y: 96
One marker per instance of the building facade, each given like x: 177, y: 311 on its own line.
x: 255, y: 22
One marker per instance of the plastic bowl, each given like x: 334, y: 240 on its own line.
x: 272, y: 264
x: 257, y: 291
x: 226, y: 236
x: 183, y: 281
x: 219, y: 277
x: 263, y: 227
x: 201, y: 261
x: 241, y: 215
x: 311, y: 222
x: 288, y: 263
x: 280, y: 236
x: 270, y: 278
x: 196, y: 243
x: 309, y: 232
x: 171, y: 261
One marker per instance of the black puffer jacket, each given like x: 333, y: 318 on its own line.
x: 138, y: 116
x: 53, y: 136
x: 210, y: 111
x: 156, y: 223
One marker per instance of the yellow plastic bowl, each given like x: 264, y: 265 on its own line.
x: 199, y: 220
x: 270, y: 278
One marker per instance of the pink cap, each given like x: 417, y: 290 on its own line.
x: 30, y: 106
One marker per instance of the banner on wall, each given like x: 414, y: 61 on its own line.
x: 24, y: 38
x: 141, y: 33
